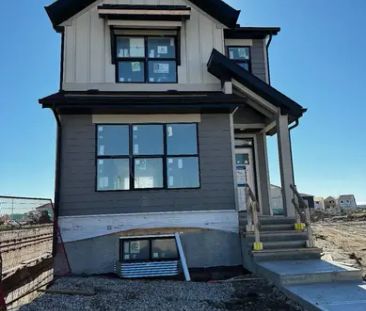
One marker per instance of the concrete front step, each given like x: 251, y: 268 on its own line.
x: 329, y: 296
x: 274, y: 236
x: 276, y: 227
x: 287, y: 272
x: 286, y: 254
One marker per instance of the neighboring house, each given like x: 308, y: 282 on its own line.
x: 347, y: 201
x: 163, y: 113
x: 277, y: 201
x: 319, y: 203
x: 331, y: 204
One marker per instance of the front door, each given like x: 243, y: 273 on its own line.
x: 244, y: 165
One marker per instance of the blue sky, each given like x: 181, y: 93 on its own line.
x: 318, y: 59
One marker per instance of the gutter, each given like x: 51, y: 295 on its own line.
x: 267, y: 52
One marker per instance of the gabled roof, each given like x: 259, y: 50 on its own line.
x: 225, y: 69
x: 62, y: 10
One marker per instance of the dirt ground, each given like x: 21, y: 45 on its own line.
x: 343, y: 239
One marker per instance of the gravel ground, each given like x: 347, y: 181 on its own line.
x: 116, y: 294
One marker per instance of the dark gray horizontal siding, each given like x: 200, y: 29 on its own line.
x: 78, y: 195
x: 259, y: 59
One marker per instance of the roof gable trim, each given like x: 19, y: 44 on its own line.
x: 62, y: 10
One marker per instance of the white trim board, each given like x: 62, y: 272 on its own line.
x: 146, y: 118
x: 76, y: 228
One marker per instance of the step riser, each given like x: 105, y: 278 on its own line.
x: 278, y: 238
x: 277, y: 221
x: 323, y: 278
x: 284, y: 245
x: 285, y: 256
x: 281, y: 227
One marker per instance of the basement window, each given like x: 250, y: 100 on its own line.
x: 148, y: 249
x: 142, y: 59
x: 241, y: 55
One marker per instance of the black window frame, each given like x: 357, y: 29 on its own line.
x: 238, y: 61
x: 150, y: 239
x: 132, y: 157
x: 144, y: 59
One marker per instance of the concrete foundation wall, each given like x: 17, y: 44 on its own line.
x: 203, y: 249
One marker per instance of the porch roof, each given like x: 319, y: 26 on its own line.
x: 141, y: 102
x: 225, y: 69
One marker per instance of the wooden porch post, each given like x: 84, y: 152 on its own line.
x: 286, y: 166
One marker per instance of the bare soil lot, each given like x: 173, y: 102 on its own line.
x: 342, y: 240
x: 116, y: 294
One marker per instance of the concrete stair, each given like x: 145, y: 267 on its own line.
x: 280, y: 240
x: 298, y: 270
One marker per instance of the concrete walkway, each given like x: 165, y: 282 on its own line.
x: 318, y: 284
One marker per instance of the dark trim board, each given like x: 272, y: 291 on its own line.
x: 225, y: 69
x: 143, y: 7
x: 251, y: 32
x: 141, y: 102
x: 62, y: 10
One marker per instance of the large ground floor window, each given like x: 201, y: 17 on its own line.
x: 147, y: 156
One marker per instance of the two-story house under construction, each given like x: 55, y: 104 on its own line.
x: 163, y: 112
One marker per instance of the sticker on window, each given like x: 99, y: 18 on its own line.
x: 135, y: 247
x: 161, y: 68
x: 104, y: 182
x: 101, y: 150
x: 231, y: 55
x: 243, y: 53
x: 137, y: 47
x: 162, y: 49
x: 155, y: 255
x: 135, y: 66
x: 180, y: 163
x: 127, y: 257
x: 172, y: 42
x: 100, y: 129
x: 136, y: 149
x: 171, y: 181
x: 170, y: 131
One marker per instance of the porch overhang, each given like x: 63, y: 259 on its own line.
x: 141, y: 102
x: 269, y: 98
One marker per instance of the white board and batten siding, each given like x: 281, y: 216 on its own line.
x: 88, y: 62
x: 76, y: 228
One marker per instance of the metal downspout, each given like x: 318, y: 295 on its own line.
x: 57, y: 181
x: 292, y: 157
x: 267, y: 52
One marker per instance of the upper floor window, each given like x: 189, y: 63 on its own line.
x: 142, y: 59
x: 147, y: 156
x: 241, y: 55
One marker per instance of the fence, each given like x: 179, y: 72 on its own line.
x: 26, y: 248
